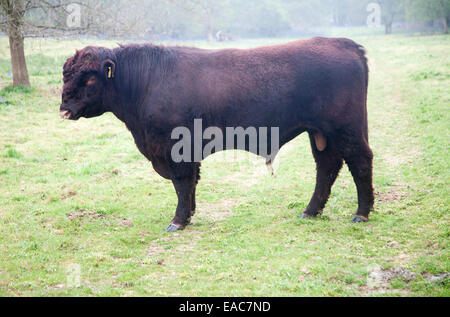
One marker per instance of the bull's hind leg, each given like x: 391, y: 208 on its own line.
x: 328, y: 164
x: 358, y: 156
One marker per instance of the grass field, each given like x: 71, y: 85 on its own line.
x: 83, y: 213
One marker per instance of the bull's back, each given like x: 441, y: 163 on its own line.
x: 298, y: 82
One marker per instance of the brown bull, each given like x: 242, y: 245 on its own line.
x: 317, y: 85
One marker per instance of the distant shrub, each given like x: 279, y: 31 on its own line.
x: 431, y: 74
x: 12, y: 153
x: 18, y: 89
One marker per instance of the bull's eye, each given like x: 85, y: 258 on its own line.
x: 91, y: 81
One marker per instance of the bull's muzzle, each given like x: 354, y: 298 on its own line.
x: 65, y: 114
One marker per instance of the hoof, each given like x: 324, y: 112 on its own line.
x: 174, y: 228
x: 307, y: 216
x: 359, y: 219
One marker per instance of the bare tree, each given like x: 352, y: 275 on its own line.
x: 14, y: 20
x: 390, y: 9
x: 16, y: 24
x: 29, y: 18
x: 119, y: 18
x: 444, y: 13
x: 425, y: 10
x: 207, y: 10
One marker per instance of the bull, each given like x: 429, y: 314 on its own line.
x: 318, y: 86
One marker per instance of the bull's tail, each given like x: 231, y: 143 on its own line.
x: 362, y: 54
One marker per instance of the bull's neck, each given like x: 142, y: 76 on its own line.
x: 127, y: 113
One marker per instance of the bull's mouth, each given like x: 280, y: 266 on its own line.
x: 65, y: 114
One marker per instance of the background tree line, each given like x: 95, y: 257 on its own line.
x: 199, y: 19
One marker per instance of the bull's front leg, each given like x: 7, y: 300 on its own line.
x: 197, y: 178
x: 185, y: 188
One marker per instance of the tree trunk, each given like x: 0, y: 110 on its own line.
x: 444, y: 17
x: 15, y: 11
x: 388, y: 21
x: 445, y: 22
x: 388, y: 28
x: 19, y: 64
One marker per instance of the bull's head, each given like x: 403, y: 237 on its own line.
x: 86, y: 77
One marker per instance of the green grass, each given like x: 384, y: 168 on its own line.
x: 78, y: 194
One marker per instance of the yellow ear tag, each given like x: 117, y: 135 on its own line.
x: 109, y: 72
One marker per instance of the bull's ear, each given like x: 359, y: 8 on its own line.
x: 109, y: 69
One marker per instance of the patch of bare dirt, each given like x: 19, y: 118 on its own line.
x: 125, y: 222
x: 67, y: 195
x: 396, y: 192
x: 437, y: 278
x: 396, y: 272
x: 379, y: 279
x: 55, y: 287
x: 84, y: 214
x: 216, y: 211
x: 403, y: 156
x: 168, y: 249
x: 390, y: 196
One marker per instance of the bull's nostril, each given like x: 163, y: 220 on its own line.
x: 65, y: 114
